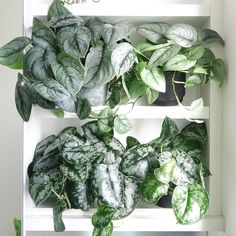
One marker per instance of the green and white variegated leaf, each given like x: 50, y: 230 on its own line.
x: 200, y: 70
x: 152, y: 190
x: 152, y: 95
x: 40, y: 187
x: 111, y: 34
x: 95, y: 25
x: 122, y: 58
x: 42, y: 146
x: 40, y: 101
x: 11, y: 54
x: 182, y: 34
x: 162, y: 55
x: 83, y: 108
x: 67, y: 105
x: 98, y: 66
x: 51, y: 90
x: 131, y: 142
x: 207, y: 58
x: 68, y: 76
x: 165, y: 173
x: 58, y: 209
x: 79, y: 153
x: 210, y: 36
x: 74, y: 40
x: 115, y: 146
x: 38, y: 61
x: 186, y: 170
x: 57, y: 9
x: 190, y: 203
x: 105, y: 120
x: 131, y: 197
x: 195, y: 53
x: 65, y: 20
x: 218, y: 69
x: 179, y: 63
x: 103, y: 216
x: 164, y: 157
x: 107, y: 185
x: 135, y: 161
x: 105, y: 231
x: 122, y: 125
x: 194, y: 131
x: 22, y: 98
x: 154, y: 78
x: 81, y: 195
x: 193, y: 81
x: 75, y: 173
x: 56, y: 178
x: 42, y: 35
x: 153, y: 32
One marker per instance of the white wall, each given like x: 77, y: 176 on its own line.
x: 10, y: 124
x: 229, y: 119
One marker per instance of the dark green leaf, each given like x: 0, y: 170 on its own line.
x: 11, y: 54
x: 182, y: 34
x: 17, y: 226
x: 121, y: 124
x: 153, y: 32
x: 81, y: 195
x: 190, y: 203
x: 74, y: 40
x: 152, y: 95
x: 83, y: 108
x: 131, y: 142
x: 115, y: 97
x: 136, y: 88
x: 57, y: 9
x: 95, y: 25
x: 42, y: 35
x: 103, y: 216
x: 135, y: 161
x: 207, y: 58
x: 58, y: 112
x: 106, y: 231
x: 162, y: 55
x: 51, y: 90
x: 107, y: 185
x: 195, y: 53
x: 122, y: 58
x: 40, y: 101
x: 22, y: 98
x: 111, y: 34
x: 98, y: 66
x: 65, y: 20
x: 210, y: 36
x: 196, y: 132
x: 152, y: 190
x: 105, y: 120
x: 57, y: 180
x: 58, y: 209
x: 75, y: 173
x: 218, y: 69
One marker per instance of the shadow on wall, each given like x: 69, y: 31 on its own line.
x: 122, y: 234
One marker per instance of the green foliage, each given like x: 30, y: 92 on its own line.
x: 17, y: 226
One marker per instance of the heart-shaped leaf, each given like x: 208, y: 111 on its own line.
x: 51, y: 90
x: 179, y: 63
x: 106, y: 120
x: 11, y: 54
x: 83, y: 108
x: 153, y: 32
x: 98, y: 66
x: 193, y: 81
x: 122, y: 58
x: 162, y: 55
x: 121, y: 124
x: 74, y: 40
x: 182, y: 34
x: 207, y: 59
x: 190, y: 203
x: 57, y: 9
x: 22, y: 98
x: 111, y: 34
x: 195, y: 53
x: 131, y: 142
x: 210, y: 36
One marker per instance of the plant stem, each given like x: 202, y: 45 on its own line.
x: 57, y: 195
x: 67, y: 200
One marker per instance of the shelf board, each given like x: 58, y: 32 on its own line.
x: 138, y: 112
x: 131, y: 8
x: 140, y: 220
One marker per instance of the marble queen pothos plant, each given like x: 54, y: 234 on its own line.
x: 83, y: 170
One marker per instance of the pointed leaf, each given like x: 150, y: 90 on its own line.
x: 105, y: 120
x: 131, y: 142
x: 195, y: 53
x: 211, y: 36
x: 83, y: 108
x: 152, y: 95
x: 11, y: 54
x: 57, y: 9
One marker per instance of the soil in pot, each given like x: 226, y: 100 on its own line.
x: 96, y: 96
x: 168, y: 98
x: 165, y: 201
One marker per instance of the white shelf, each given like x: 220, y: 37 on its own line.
x: 140, y: 220
x: 138, y: 112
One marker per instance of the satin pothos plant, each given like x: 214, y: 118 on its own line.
x: 77, y: 170
x: 64, y: 55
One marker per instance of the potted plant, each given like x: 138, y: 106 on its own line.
x: 174, y: 57
x: 65, y: 59
x: 76, y: 170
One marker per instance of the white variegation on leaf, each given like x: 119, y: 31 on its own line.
x: 122, y: 58
x: 193, y: 81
